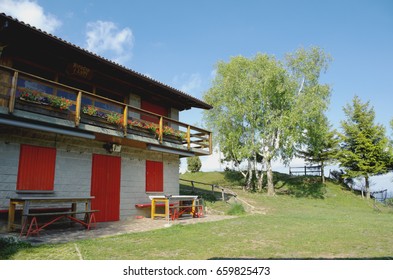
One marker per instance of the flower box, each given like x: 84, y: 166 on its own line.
x: 42, y: 109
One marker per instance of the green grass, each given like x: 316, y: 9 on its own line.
x: 305, y: 220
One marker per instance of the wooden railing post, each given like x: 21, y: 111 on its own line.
x: 188, y: 137
x: 210, y: 143
x: 161, y: 130
x: 11, y: 103
x: 125, y: 119
x: 78, y: 108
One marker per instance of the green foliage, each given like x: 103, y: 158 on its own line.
x: 307, y: 187
x: 194, y: 164
x: 236, y: 210
x: 365, y: 150
x: 10, y: 245
x: 114, y: 118
x: 258, y: 106
x: 59, y: 102
x: 318, y: 144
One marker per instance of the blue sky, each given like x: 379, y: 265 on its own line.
x: 179, y: 42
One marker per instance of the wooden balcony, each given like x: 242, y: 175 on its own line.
x: 57, y: 105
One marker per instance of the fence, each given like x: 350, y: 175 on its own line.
x: 315, y: 170
x: 223, y: 190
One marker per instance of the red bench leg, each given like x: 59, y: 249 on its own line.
x: 91, y: 220
x: 33, y: 223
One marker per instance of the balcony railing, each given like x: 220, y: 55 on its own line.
x: 30, y: 93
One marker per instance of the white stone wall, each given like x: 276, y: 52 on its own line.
x: 72, y: 173
x: 9, y: 158
x: 74, y: 166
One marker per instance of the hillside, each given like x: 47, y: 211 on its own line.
x: 303, y: 221
x: 293, y: 188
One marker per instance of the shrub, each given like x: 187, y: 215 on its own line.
x: 236, y: 209
x: 194, y: 164
x: 11, y: 245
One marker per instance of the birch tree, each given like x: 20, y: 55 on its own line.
x: 259, y: 107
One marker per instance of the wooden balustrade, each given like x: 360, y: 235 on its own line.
x: 119, y: 113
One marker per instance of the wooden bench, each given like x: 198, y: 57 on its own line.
x: 33, y: 227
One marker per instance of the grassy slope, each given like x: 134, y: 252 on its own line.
x: 308, y: 221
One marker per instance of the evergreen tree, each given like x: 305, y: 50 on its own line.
x: 320, y: 144
x: 365, y: 149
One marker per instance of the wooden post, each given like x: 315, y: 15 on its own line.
x: 188, y: 137
x: 193, y: 187
x: 160, y: 136
x: 125, y: 119
x: 11, y: 103
x: 223, y: 194
x: 305, y: 170
x: 78, y: 108
x: 210, y: 143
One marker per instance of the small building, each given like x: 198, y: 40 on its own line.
x: 76, y: 124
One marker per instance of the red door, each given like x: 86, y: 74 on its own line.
x: 154, y: 176
x: 105, y: 187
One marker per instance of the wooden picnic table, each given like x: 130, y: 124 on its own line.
x: 176, y: 206
x: 55, y: 210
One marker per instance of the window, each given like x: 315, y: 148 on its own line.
x: 154, y: 176
x: 36, y: 168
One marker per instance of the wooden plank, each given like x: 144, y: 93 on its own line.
x: 60, y: 213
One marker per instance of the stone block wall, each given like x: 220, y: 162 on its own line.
x: 74, y: 167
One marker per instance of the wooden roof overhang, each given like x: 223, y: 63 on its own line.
x: 24, y: 41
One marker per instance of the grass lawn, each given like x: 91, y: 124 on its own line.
x: 304, y: 221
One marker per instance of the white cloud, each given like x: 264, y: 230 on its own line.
x: 105, y: 38
x: 30, y: 12
x: 188, y: 83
